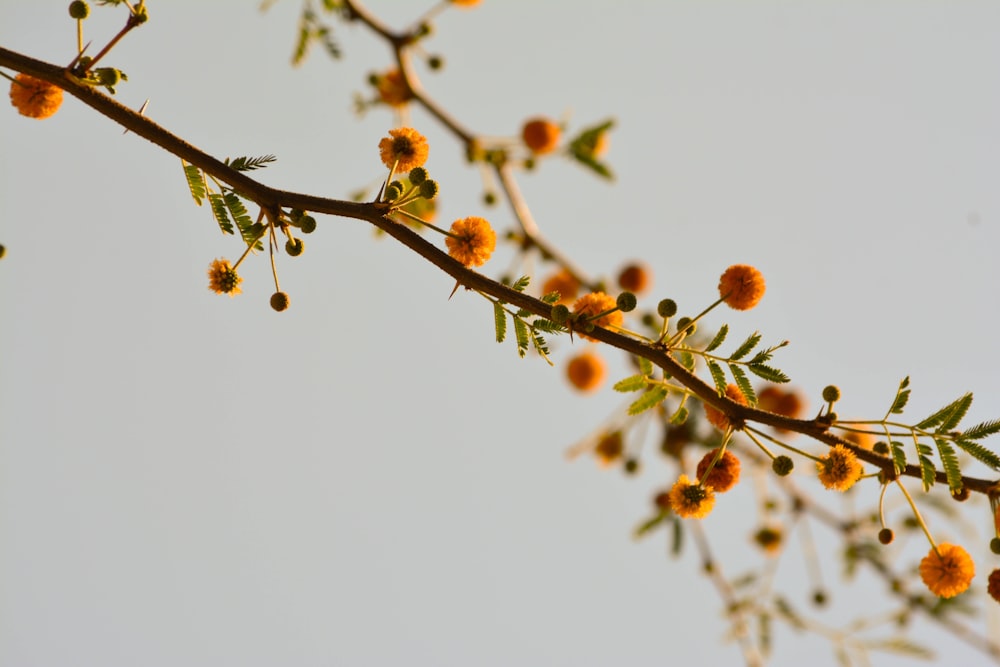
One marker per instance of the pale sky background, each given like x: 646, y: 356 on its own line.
x: 368, y: 478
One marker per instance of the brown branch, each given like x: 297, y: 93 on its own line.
x: 375, y: 213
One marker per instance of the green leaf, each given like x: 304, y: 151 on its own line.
x: 902, y: 396
x: 898, y: 456
x: 743, y: 382
x: 548, y: 326
x: 926, y: 471
x: 244, y: 163
x: 680, y: 416
x: 631, y: 383
x: 902, y: 646
x: 521, y: 333
x: 500, y: 321
x: 552, y: 297
x: 196, y: 182
x: 949, y: 461
x: 718, y: 377
x: 219, y: 211
x: 945, y: 414
x: 979, y: 452
x: 521, y: 284
x: 982, y: 430
x: 645, y: 366
x: 241, y: 217
x: 719, y: 338
x: 650, y: 399
x: 584, y: 146
x: 649, y: 524
x: 958, y: 414
x: 768, y: 373
x: 677, y: 537
x: 686, y: 359
x: 541, y: 346
x: 745, y: 347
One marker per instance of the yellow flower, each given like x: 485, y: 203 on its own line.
x: 564, y: 283
x: 35, y: 98
x: 785, y: 403
x: 839, y: 469
x: 592, y: 304
x: 635, y: 278
x: 472, y: 241
x: 725, y: 473
x: 689, y: 500
x: 465, y: 3
x: 541, y: 136
x: 223, y: 279
x: 715, y: 417
x: 741, y: 286
x: 609, y: 448
x: 392, y: 88
x: 405, y: 148
x: 586, y: 371
x: 947, y: 571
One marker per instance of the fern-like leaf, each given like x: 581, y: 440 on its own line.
x: 680, y: 416
x: 645, y: 366
x: 743, y: 382
x: 541, y: 347
x: 898, y: 456
x: 902, y: 396
x: 949, y: 461
x: 719, y: 338
x: 219, y: 212
x: 768, y: 373
x: 500, y: 321
x: 521, y: 284
x: 631, y: 383
x: 244, y: 163
x: 548, y: 326
x: 926, y: 472
x: 552, y: 297
x: 240, y: 216
x: 196, y: 182
x: 649, y: 524
x: 957, y: 414
x: 980, y: 431
x: 945, y: 414
x: 650, y: 399
x: 718, y: 377
x: 521, y: 333
x: 746, y: 346
x: 979, y: 452
x: 686, y: 359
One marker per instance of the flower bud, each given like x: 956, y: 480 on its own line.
x: 294, y: 247
x: 307, y: 224
x: 831, y: 393
x: 782, y: 465
x: 667, y: 308
x: 79, y: 10
x: 626, y: 302
x: 279, y: 301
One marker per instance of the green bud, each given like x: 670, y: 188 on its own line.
x: 108, y: 76
x: 435, y: 62
x: 626, y: 302
x: 489, y: 198
x: 294, y: 247
x: 279, y: 301
x: 667, y: 308
x: 560, y: 314
x: 79, y: 10
x: 418, y: 175
x: 881, y: 447
x: 648, y: 319
x: 256, y: 230
x: 687, y: 325
x: 782, y: 465
x: 429, y: 189
x: 307, y: 224
x: 3, y: 251
x: 995, y: 545
x: 295, y: 214
x: 631, y: 466
x: 819, y: 598
x: 831, y: 393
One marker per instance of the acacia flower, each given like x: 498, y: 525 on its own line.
x: 689, y: 500
x: 595, y: 303
x: 472, y: 241
x: 993, y: 586
x: 947, y: 571
x: 465, y: 3
x: 392, y: 88
x: 609, y: 448
x: 561, y: 281
x: 33, y: 97
x: 715, y: 417
x: 785, y: 403
x: 741, y: 286
x: 725, y: 473
x: 586, y: 371
x: 636, y: 278
x: 540, y: 135
x: 839, y: 469
x: 769, y: 538
x: 223, y: 279
x: 404, y: 148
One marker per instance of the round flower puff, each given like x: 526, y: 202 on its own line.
x: 715, y: 417
x: 725, y: 473
x: 948, y: 574
x: 392, y: 88
x: 540, y: 135
x: 993, y: 585
x: 839, y: 469
x: 595, y: 303
x: 472, y: 241
x: 223, y: 279
x: 689, y: 500
x: 741, y: 286
x: 609, y: 448
x: 33, y: 97
x: 586, y: 371
x: 564, y: 283
x: 405, y: 148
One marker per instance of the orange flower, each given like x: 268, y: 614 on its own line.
x: 993, y: 585
x: 561, y: 282
x: 223, y: 279
x: 35, y: 98
x: 592, y: 304
x: 947, y: 571
x: 725, y: 473
x: 635, y: 278
x: 465, y: 3
x: 785, y: 403
x: 392, y: 88
x: 691, y: 501
x: 609, y: 448
x: 540, y: 135
x: 862, y: 440
x: 405, y: 148
x: 472, y: 241
x: 741, y: 286
x: 839, y: 469
x: 715, y: 417
x: 586, y: 371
